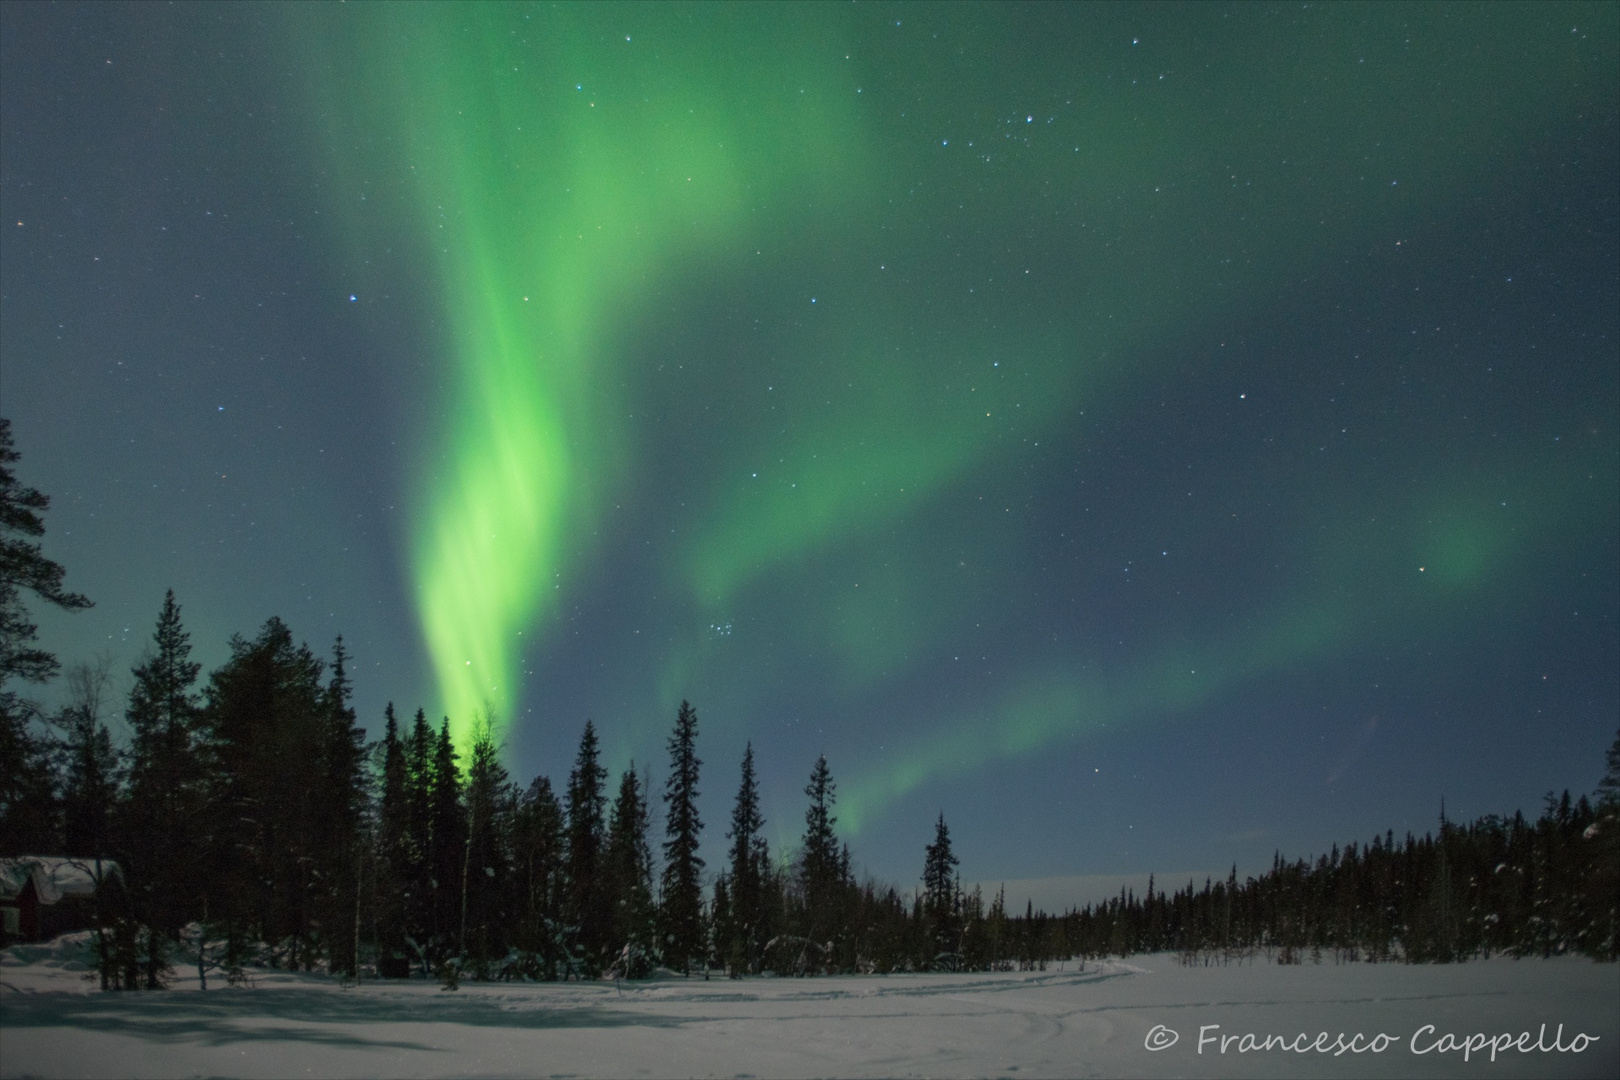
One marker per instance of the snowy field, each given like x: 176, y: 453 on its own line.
x: 1097, y: 1021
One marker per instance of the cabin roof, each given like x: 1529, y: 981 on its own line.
x: 54, y: 876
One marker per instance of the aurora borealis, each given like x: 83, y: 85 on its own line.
x: 1152, y: 436
x: 544, y: 201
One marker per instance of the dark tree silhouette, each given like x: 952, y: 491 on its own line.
x: 28, y: 812
x: 266, y: 712
x: 587, y: 910
x: 629, y: 871
x: 681, y: 889
x: 541, y: 879
x: 748, y: 876
x: 164, y: 824
x: 340, y: 799
x: 447, y: 842
x: 419, y: 895
x: 395, y: 858
x: 823, y: 866
x: 940, y: 896
x: 486, y: 866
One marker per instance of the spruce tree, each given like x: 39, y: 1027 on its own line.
x: 541, y: 870
x: 164, y: 828
x: 267, y: 713
x: 629, y: 872
x: 486, y: 871
x: 749, y: 874
x: 681, y: 889
x: 940, y: 893
x: 447, y: 830
x: 419, y: 889
x: 394, y: 856
x: 822, y: 869
x: 339, y: 817
x: 587, y: 910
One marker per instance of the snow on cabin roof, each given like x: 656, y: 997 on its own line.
x: 54, y: 876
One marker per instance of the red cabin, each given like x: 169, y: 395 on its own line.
x: 42, y: 896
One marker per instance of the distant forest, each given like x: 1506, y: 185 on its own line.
x: 253, y: 824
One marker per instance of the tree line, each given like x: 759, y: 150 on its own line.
x: 254, y: 824
x: 1493, y: 886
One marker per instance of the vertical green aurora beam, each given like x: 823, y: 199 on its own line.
x: 558, y: 161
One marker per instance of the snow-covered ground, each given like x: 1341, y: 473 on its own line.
x: 1097, y: 1021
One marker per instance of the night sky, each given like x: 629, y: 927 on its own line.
x: 1152, y: 436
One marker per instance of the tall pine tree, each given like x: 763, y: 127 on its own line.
x: 419, y: 891
x: 267, y: 713
x: 542, y: 878
x: 394, y: 856
x: 447, y: 832
x: 681, y: 888
x: 166, y: 829
x: 486, y: 870
x: 587, y: 910
x: 340, y: 818
x: 940, y: 896
x: 629, y: 867
x: 749, y: 876
x: 824, y: 873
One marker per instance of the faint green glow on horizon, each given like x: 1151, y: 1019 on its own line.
x: 1462, y: 543
x: 1045, y: 707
